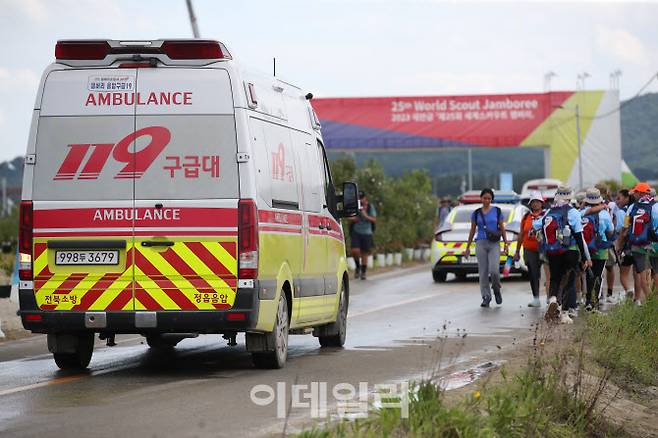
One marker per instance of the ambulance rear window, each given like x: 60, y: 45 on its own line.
x: 117, y: 134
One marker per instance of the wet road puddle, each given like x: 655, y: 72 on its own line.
x: 461, y: 378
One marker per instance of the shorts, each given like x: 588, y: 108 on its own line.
x: 612, y: 258
x: 639, y: 262
x: 654, y: 264
x: 363, y: 242
x: 627, y: 260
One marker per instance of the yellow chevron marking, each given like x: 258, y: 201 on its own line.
x: 179, y: 281
x: 40, y: 263
x: 132, y: 305
x: 113, y: 291
x: 80, y: 290
x: 154, y: 291
x: 220, y: 253
x: 199, y: 267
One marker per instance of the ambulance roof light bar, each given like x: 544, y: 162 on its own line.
x: 97, y: 50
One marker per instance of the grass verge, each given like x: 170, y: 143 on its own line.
x: 626, y: 341
x: 551, y: 396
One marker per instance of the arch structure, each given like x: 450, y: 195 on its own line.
x: 547, y: 120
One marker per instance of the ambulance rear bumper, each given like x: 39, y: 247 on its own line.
x: 241, y: 317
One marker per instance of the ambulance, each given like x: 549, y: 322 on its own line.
x: 170, y: 193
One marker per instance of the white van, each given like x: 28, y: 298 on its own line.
x: 169, y: 193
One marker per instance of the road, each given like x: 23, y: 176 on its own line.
x: 398, y: 323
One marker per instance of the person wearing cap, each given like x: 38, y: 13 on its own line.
x: 528, y: 240
x: 563, y: 264
x: 643, y: 200
x: 605, y: 232
x: 361, y: 232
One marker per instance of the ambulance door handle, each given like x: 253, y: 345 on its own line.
x: 157, y: 243
x: 321, y: 226
x: 328, y: 226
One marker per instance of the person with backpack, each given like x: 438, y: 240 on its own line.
x: 489, y: 223
x: 639, y: 231
x: 561, y: 231
x: 598, y: 232
x: 528, y: 240
x: 622, y: 202
x: 361, y: 232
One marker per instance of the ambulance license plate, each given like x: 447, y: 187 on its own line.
x: 88, y: 257
x: 471, y: 260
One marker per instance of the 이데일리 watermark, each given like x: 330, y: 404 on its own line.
x: 350, y: 400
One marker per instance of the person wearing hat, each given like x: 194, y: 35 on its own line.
x: 361, y: 232
x: 528, y: 240
x: 603, y: 233
x: 636, y: 220
x: 563, y: 260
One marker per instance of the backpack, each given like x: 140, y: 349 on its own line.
x: 553, y: 223
x: 492, y: 236
x: 641, y: 230
x: 591, y: 233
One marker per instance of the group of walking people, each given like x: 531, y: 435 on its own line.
x: 575, y: 239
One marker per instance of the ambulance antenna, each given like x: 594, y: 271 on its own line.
x: 274, y: 66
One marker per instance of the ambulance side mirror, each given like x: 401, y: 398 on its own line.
x: 349, y: 199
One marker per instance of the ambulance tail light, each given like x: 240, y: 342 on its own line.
x: 195, y: 50
x: 96, y: 50
x: 25, y: 241
x: 247, y: 239
x: 84, y: 50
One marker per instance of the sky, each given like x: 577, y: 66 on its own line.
x: 340, y: 48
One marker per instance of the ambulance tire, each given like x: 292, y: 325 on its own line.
x: 278, y: 339
x: 157, y: 342
x: 439, y: 276
x: 337, y: 339
x: 82, y: 356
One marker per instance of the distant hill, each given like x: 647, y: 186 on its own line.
x: 639, y: 136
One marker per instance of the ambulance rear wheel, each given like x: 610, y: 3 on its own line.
x: 277, y: 339
x: 80, y: 358
x: 157, y: 342
x: 337, y: 339
x: 439, y: 276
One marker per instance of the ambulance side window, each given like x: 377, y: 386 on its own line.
x: 329, y: 191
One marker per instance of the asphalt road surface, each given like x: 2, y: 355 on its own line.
x: 401, y: 326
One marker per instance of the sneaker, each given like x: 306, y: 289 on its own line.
x: 499, y: 297
x: 357, y: 273
x: 565, y: 318
x: 485, y: 303
x: 638, y: 302
x: 610, y: 300
x: 534, y: 303
x: 553, y: 311
x: 573, y: 313
x: 363, y: 275
x: 589, y: 307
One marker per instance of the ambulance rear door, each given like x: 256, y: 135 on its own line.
x: 186, y: 190
x: 83, y: 233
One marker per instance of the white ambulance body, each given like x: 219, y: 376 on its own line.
x: 169, y: 193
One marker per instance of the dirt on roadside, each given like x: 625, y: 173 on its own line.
x: 628, y: 407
